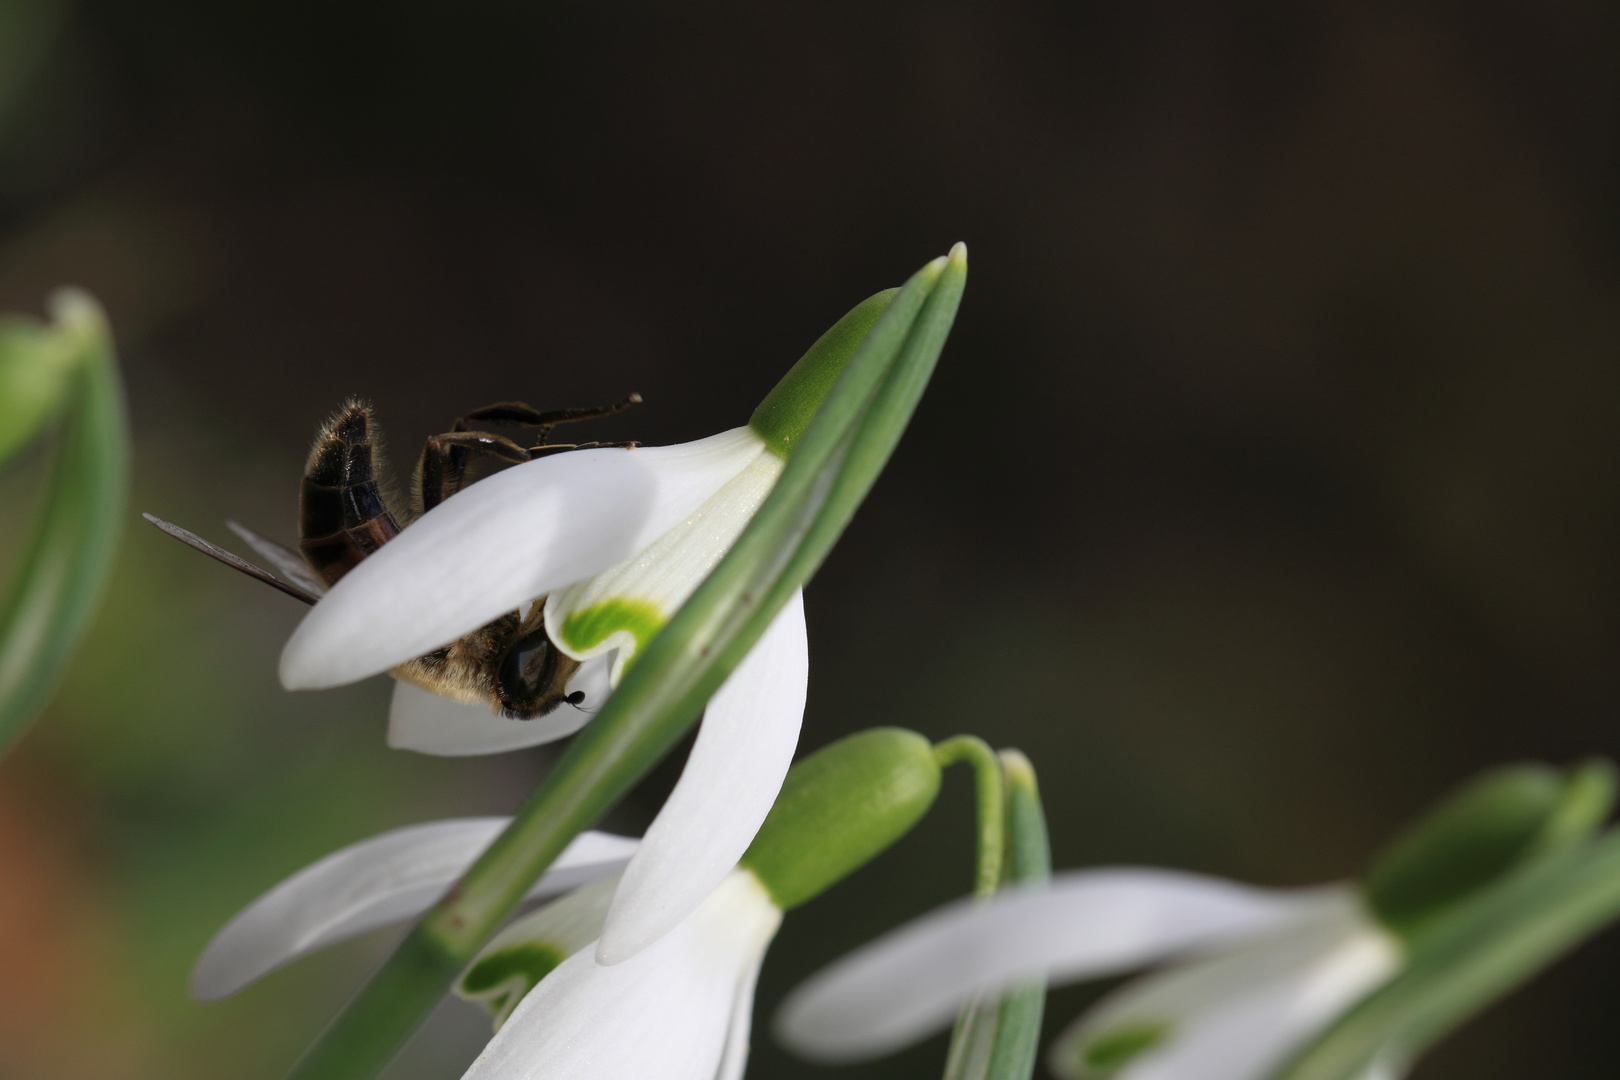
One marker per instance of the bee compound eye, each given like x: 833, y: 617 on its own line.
x: 529, y: 668
x: 576, y: 698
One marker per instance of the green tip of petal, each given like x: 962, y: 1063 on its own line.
x: 838, y: 808
x: 786, y: 411
x: 1490, y: 827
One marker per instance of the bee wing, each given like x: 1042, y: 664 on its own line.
x: 213, y: 551
x: 288, y: 562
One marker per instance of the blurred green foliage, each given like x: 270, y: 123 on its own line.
x: 59, y: 580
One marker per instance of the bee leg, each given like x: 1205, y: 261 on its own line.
x: 443, y: 468
x: 583, y: 446
x: 516, y: 412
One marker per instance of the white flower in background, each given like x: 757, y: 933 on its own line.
x: 678, y: 1010
x: 1254, y: 973
x: 386, y: 879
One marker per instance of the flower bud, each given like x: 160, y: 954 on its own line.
x: 1490, y: 827
x: 786, y: 411
x: 839, y: 807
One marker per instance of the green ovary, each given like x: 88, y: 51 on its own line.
x: 1116, y: 1048
x: 587, y: 628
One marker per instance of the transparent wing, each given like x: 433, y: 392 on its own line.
x: 287, y: 562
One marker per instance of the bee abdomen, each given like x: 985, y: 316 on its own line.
x: 342, y: 516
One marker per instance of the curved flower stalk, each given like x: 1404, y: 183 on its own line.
x: 681, y: 1008
x: 1254, y: 974
x: 385, y: 879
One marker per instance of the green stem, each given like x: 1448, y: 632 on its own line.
x: 992, y: 806
x: 828, y: 474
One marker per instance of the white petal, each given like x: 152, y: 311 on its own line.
x: 624, y: 605
x: 1237, y: 1015
x: 429, y: 724
x: 734, y: 1061
x: 732, y: 777
x: 667, y: 1013
x: 1086, y: 924
x: 500, y: 543
x: 389, y: 877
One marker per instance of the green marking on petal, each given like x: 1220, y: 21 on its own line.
x: 587, y: 628
x: 532, y: 961
x: 1117, y: 1047
x: 501, y: 979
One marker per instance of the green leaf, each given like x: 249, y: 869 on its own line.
x: 1468, y: 959
x: 58, y: 583
x: 999, y: 1039
x: 832, y: 467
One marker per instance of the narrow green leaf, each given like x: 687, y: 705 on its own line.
x: 1476, y: 954
x: 58, y: 584
x: 832, y: 467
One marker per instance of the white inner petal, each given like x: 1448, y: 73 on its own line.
x: 429, y: 724
x: 1236, y: 1015
x: 667, y: 1013
x: 659, y: 578
x: 500, y: 543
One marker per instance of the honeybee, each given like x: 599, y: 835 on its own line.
x: 346, y: 512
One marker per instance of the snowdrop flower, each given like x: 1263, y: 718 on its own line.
x: 386, y: 879
x: 681, y: 1009
x: 1265, y: 968
x: 1252, y: 974
x: 615, y: 540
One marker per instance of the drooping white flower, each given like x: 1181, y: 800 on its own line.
x: 678, y: 1010
x: 385, y: 879
x: 1255, y: 973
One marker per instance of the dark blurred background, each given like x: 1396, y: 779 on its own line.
x: 1270, y: 483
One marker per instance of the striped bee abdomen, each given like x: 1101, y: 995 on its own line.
x: 342, y: 516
